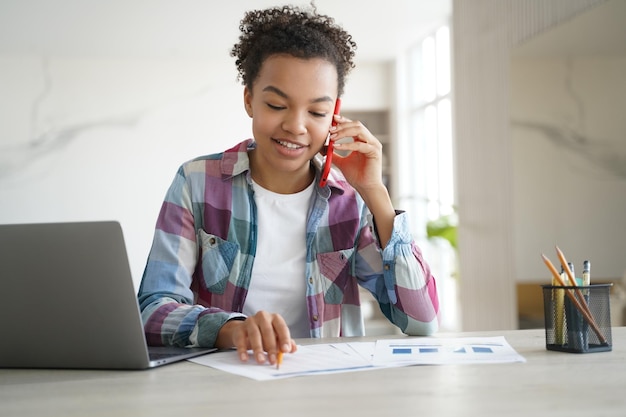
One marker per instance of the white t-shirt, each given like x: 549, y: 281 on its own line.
x: 278, y: 283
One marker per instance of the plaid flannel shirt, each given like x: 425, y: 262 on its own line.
x: 199, y: 267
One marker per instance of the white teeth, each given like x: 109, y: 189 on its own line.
x: 289, y: 144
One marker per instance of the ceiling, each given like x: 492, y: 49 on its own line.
x: 599, y: 31
x: 207, y: 29
x: 193, y: 28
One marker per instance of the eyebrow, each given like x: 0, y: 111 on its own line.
x: 276, y: 90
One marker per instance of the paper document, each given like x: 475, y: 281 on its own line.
x: 362, y: 356
x: 308, y: 360
x: 444, y: 351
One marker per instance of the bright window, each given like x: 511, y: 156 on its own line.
x: 426, y: 174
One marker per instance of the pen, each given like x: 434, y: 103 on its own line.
x: 586, y: 283
x: 279, y: 359
x: 573, y: 321
x: 570, y: 265
x: 586, y: 273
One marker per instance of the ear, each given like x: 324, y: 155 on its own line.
x: 247, y: 100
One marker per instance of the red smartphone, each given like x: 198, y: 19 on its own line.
x: 328, y: 157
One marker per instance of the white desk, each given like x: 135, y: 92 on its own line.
x: 549, y: 383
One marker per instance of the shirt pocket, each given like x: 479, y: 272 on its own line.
x: 336, y: 271
x: 219, y: 258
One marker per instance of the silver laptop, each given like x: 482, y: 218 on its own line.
x: 67, y: 300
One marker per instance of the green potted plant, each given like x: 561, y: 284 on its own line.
x: 444, y: 227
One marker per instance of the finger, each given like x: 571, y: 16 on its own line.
x: 356, y: 131
x: 255, y: 339
x: 341, y: 119
x: 276, y: 337
x: 283, y: 336
x: 240, y: 341
x: 371, y: 149
x: 292, y: 346
x: 341, y: 124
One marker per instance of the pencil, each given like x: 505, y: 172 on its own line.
x: 565, y: 266
x: 558, y: 298
x: 279, y: 359
x: 572, y: 279
x: 585, y: 312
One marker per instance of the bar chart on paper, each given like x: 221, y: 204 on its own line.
x: 442, y: 351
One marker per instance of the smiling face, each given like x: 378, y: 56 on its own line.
x: 291, y: 106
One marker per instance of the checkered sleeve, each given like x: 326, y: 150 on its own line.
x: 165, y: 295
x: 403, y: 284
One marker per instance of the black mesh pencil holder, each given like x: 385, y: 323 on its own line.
x: 578, y: 319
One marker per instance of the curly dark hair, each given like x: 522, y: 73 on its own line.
x: 292, y: 31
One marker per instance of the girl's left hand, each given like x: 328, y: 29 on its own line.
x: 362, y: 167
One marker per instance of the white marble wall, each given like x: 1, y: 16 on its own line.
x: 98, y: 139
x: 569, y: 163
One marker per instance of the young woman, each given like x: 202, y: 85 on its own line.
x: 249, y: 250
